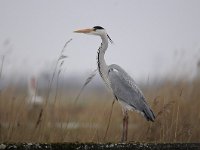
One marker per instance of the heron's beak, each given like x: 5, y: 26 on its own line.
x: 84, y: 31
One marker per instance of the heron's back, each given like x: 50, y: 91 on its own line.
x: 126, y: 91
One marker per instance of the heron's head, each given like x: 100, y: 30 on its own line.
x: 96, y: 30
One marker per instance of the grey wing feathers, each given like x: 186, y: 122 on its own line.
x: 125, y: 90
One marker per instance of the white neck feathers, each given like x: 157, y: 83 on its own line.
x: 102, y: 66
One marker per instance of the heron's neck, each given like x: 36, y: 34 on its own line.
x: 102, y: 66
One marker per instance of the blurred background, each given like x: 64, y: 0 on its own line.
x: 156, y: 42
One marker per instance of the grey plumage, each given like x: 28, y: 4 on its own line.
x: 121, y: 84
x: 125, y: 90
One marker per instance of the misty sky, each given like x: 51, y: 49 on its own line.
x: 151, y: 37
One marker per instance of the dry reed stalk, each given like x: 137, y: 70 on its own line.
x: 2, y: 63
x: 176, y: 127
x: 39, y: 119
x: 165, y: 108
x: 87, y: 81
x: 109, y: 120
x: 59, y: 62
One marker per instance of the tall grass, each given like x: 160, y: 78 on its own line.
x: 95, y: 118
x: 176, y: 107
x: 56, y: 71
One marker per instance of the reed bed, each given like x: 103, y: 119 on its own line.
x: 176, y: 106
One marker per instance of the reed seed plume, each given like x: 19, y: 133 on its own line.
x: 60, y: 58
x: 88, y: 80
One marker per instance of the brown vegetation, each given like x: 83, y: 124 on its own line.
x: 176, y: 106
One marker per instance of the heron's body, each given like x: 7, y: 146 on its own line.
x: 128, y: 93
x: 122, y: 85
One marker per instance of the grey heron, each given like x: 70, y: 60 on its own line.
x: 119, y: 82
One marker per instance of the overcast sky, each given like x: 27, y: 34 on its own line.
x: 151, y: 37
